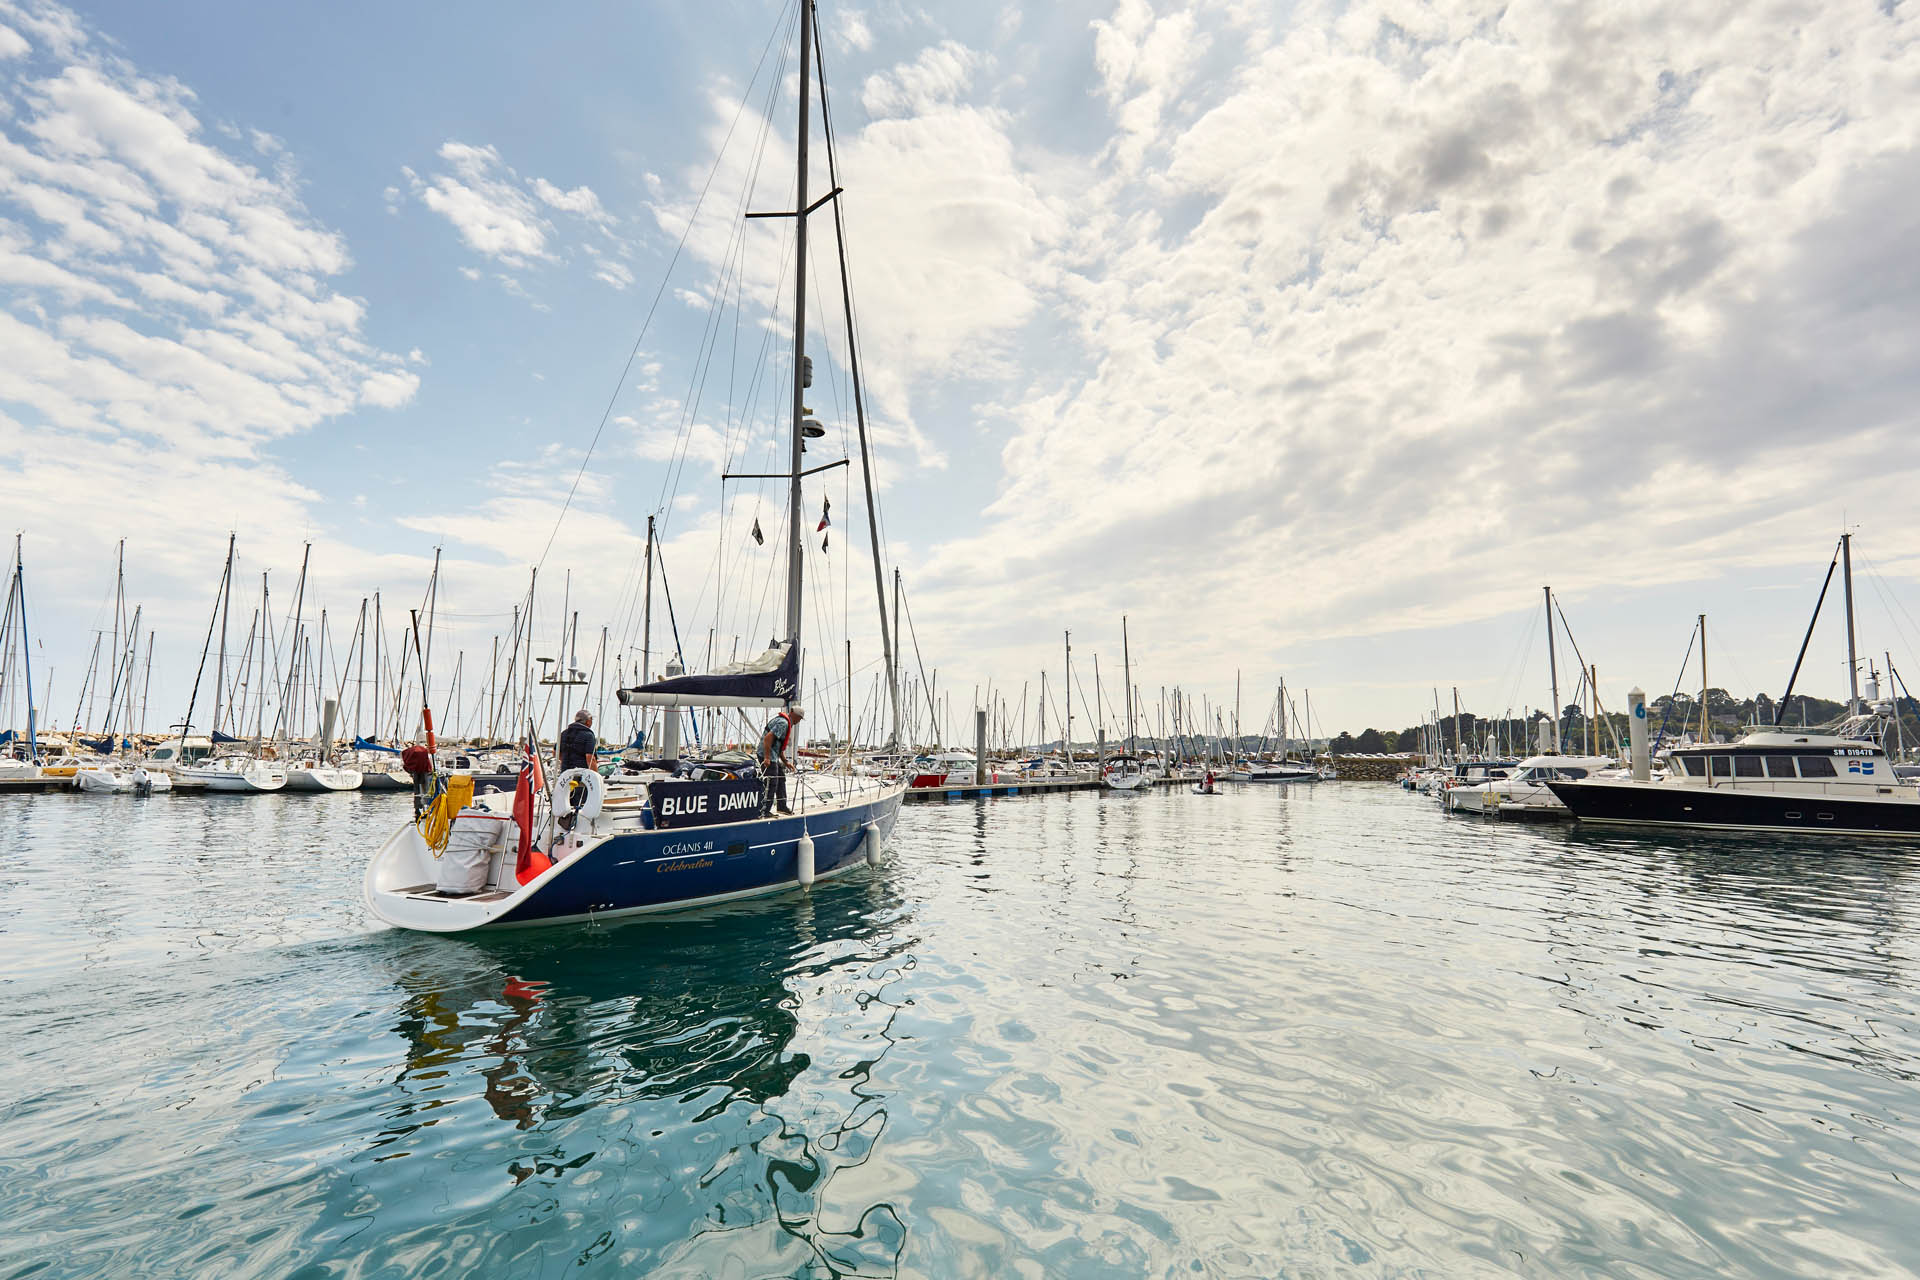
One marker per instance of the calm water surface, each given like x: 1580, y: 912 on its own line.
x: 1323, y: 1032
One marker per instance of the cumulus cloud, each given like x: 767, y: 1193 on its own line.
x: 484, y: 201
x: 1407, y: 287
x: 163, y: 287
x: 504, y: 217
x: 936, y: 76
x: 169, y: 309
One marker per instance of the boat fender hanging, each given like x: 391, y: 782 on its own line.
x: 872, y: 843
x: 594, y: 794
x: 803, y: 860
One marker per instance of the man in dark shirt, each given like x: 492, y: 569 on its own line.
x: 578, y: 746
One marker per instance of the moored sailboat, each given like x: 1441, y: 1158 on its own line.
x: 669, y: 837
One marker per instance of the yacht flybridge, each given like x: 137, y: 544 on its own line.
x: 676, y: 833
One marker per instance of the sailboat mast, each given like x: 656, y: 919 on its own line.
x: 360, y: 678
x: 259, y: 682
x: 220, y: 670
x: 1853, y: 660
x: 378, y: 657
x: 293, y: 657
x: 146, y: 684
x: 1706, y: 721
x: 1280, y: 716
x: 1068, y: 698
x: 794, y: 549
x: 1126, y: 672
x: 26, y: 644
x: 1553, y: 668
x: 119, y: 610
x: 893, y: 671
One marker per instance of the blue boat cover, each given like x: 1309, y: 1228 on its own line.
x: 368, y: 744
x: 774, y: 675
x: 218, y: 736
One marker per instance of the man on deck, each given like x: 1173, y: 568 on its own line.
x: 579, y: 749
x: 774, y: 742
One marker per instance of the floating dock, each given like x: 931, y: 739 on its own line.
x: 984, y: 790
x: 989, y: 790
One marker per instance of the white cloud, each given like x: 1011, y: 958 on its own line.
x: 614, y: 273
x: 390, y: 389
x: 580, y: 200
x: 168, y: 309
x: 487, y: 205
x: 1411, y: 286
x: 13, y: 44
x: 851, y: 30
x: 502, y: 216
x: 937, y: 76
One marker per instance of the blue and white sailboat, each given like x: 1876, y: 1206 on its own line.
x: 664, y: 841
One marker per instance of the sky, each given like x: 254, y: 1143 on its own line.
x: 1313, y: 340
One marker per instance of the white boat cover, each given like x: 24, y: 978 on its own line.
x: 476, y: 833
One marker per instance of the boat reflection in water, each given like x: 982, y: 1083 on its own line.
x: 695, y: 1033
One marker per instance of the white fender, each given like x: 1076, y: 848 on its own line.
x: 590, y: 803
x: 804, y: 861
x: 872, y: 843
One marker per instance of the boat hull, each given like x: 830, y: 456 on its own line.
x: 633, y: 872
x: 323, y: 780
x: 1651, y: 804
x: 250, y: 783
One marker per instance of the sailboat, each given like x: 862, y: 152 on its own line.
x: 683, y: 837
x: 1126, y: 771
x: 19, y: 756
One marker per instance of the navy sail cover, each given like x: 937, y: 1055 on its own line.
x: 774, y: 675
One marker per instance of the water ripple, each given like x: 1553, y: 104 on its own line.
x: 1305, y: 1033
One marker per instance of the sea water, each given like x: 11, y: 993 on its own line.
x: 1310, y: 1031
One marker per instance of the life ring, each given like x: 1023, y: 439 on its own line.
x: 589, y: 806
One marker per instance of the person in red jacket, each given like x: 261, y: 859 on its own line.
x: 775, y: 741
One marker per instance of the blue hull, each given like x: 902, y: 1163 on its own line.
x: 649, y: 871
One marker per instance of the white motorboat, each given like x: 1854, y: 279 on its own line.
x: 318, y: 775
x: 239, y: 774
x: 1273, y: 771
x: 148, y: 781
x: 17, y: 770
x: 104, y: 778
x: 1468, y: 773
x: 1527, y: 785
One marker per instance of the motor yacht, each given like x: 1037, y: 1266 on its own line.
x: 1772, y: 779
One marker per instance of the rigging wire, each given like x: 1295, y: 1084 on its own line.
x: 606, y: 415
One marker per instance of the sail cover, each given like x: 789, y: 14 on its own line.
x: 766, y: 681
